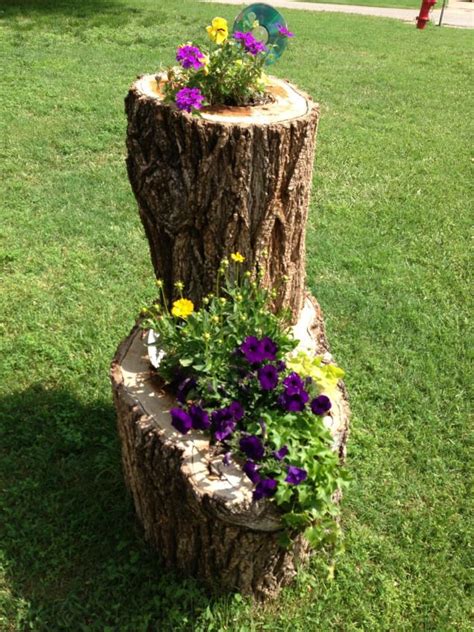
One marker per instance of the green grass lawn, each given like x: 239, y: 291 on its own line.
x: 392, y: 4
x: 387, y: 258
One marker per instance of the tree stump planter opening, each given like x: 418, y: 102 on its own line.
x: 231, y: 180
x: 197, y: 512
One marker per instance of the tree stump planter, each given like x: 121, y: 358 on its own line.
x: 195, y: 511
x: 232, y: 180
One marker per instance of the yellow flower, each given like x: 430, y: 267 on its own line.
x: 179, y: 285
x: 218, y: 31
x: 182, y: 308
x: 237, y: 257
x: 205, y: 61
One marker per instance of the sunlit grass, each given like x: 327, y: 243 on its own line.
x: 387, y: 258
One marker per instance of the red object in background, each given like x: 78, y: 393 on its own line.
x: 424, y: 17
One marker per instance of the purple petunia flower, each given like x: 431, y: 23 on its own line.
x: 321, y: 405
x: 224, y: 429
x: 222, y: 414
x: 265, y: 488
x: 293, y: 402
x: 268, y: 377
x: 248, y: 41
x: 188, y: 99
x: 199, y: 417
x: 296, y: 475
x: 237, y: 410
x: 281, y: 453
x: 284, y: 31
x: 252, y: 350
x: 293, y: 384
x: 181, y: 420
x: 184, y: 388
x: 190, y: 57
x: 252, y: 447
x: 223, y: 423
x: 281, y: 366
x: 269, y: 348
x: 252, y: 472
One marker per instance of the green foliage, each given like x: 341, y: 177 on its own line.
x: 203, y: 342
x: 326, y: 376
x: 204, y: 346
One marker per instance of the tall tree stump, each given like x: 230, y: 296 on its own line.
x: 197, y: 512
x: 235, y: 179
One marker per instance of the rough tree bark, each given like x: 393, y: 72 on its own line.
x: 196, y: 512
x: 235, y: 179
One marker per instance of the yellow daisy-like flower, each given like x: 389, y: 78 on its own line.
x: 218, y: 31
x: 182, y: 308
x: 237, y: 257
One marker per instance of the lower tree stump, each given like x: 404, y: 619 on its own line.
x: 195, y: 511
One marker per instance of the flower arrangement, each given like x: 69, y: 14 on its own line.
x: 227, y: 71
x: 237, y: 377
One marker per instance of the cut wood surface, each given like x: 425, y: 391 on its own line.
x: 233, y: 179
x: 197, y: 512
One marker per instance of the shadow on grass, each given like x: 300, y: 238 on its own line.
x: 73, y: 553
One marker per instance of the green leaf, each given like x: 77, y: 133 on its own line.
x: 284, y: 540
x: 198, y: 367
x: 185, y: 361
x: 314, y: 535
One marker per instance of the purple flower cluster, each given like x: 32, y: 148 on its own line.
x: 262, y: 465
x: 224, y: 420
x: 188, y: 99
x: 284, y: 31
x: 268, y: 377
x: 258, y: 350
x: 248, y: 41
x: 190, y: 57
x: 252, y: 447
x: 296, y: 475
x: 321, y: 405
x: 281, y: 453
x: 294, y: 397
x: 196, y: 417
x: 264, y: 487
